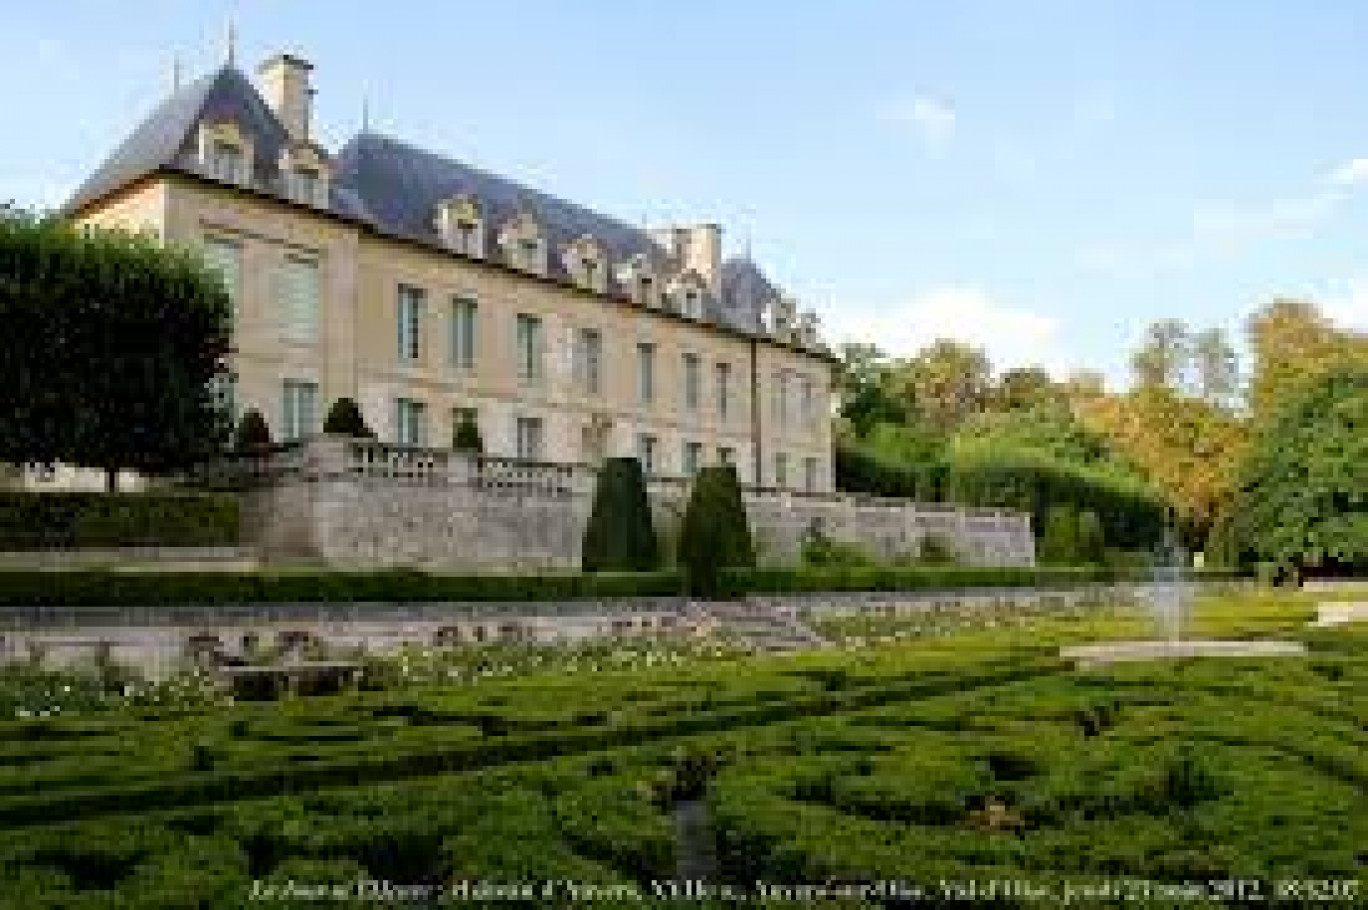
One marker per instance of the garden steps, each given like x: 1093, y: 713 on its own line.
x: 762, y: 628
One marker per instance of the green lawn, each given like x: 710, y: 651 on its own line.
x: 964, y: 755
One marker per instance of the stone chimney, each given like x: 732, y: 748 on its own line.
x: 285, y: 86
x: 697, y: 247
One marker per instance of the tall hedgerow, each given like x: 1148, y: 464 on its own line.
x: 620, y: 536
x: 716, y: 532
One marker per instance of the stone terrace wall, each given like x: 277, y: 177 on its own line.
x: 364, y: 503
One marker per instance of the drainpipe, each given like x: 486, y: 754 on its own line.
x: 755, y: 410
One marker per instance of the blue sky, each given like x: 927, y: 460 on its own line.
x: 1041, y: 178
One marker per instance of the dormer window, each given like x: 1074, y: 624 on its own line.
x: 584, y: 262
x: 693, y: 304
x: 646, y: 285
x: 523, y: 246
x: 686, y: 295
x: 638, y: 279
x: 226, y: 162
x: 225, y: 153
x: 460, y: 226
x: 307, y: 184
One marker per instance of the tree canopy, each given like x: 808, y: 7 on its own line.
x: 110, y: 347
x: 1301, y: 499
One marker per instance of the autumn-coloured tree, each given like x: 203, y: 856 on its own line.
x: 1293, y: 346
x: 945, y: 383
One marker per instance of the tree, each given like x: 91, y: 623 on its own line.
x: 252, y: 433
x: 1216, y: 368
x: 1302, y: 495
x: 110, y: 347
x: 944, y: 383
x: 1050, y: 428
x: 344, y: 419
x: 716, y: 532
x: 1163, y: 357
x: 1293, y: 346
x: 1024, y: 389
x: 620, y: 536
x: 466, y: 436
x: 864, y: 380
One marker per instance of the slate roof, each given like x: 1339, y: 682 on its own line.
x: 394, y: 189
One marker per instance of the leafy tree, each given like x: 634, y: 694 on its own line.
x: 1302, y: 495
x: 466, y: 436
x: 945, y: 383
x: 252, y: 432
x: 864, y: 381
x: 110, y: 346
x: 1216, y: 368
x: 1026, y: 389
x: 716, y: 531
x: 1162, y: 359
x: 344, y: 419
x: 620, y: 536
x: 907, y: 444
x: 1048, y: 427
x: 1293, y: 346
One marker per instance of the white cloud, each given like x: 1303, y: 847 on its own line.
x: 1012, y: 336
x: 1345, y: 302
x: 933, y: 120
x: 1350, y: 173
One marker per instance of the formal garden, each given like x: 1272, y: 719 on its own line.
x: 927, y: 758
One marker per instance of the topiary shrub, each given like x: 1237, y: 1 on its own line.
x: 466, y: 436
x: 1092, y: 543
x: 817, y: 549
x: 252, y: 432
x: 620, y: 536
x: 716, y: 532
x: 937, y: 550
x: 1059, y: 537
x: 344, y: 419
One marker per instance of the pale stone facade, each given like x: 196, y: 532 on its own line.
x: 570, y: 335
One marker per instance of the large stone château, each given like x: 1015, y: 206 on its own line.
x: 424, y: 288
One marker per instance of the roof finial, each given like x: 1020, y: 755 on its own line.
x: 365, y: 114
x: 230, y: 45
x: 175, y: 74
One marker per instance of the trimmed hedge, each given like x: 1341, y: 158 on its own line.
x: 938, y: 578
x: 113, y: 589
x: 31, y: 521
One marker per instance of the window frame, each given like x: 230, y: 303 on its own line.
x: 411, y: 303
x: 463, y: 337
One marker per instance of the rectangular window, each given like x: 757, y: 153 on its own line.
x: 306, y: 186
x: 723, y: 391
x: 410, y: 422
x: 410, y: 323
x: 810, y: 475
x: 297, y: 290
x: 647, y: 446
x: 225, y: 161
x: 806, y: 410
x: 529, y: 438
x: 225, y: 257
x: 781, y: 470
x: 529, y: 348
x: 299, y: 409
x: 692, y: 381
x: 692, y: 458
x: 781, y: 399
x: 588, y: 361
x: 645, y: 373
x: 463, y: 312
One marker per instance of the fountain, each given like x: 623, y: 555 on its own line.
x: 1168, y: 598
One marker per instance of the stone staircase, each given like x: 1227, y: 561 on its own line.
x: 761, y: 627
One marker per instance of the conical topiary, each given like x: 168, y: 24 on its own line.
x: 344, y: 419
x: 251, y: 433
x: 620, y: 536
x: 716, y: 532
x: 466, y: 436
